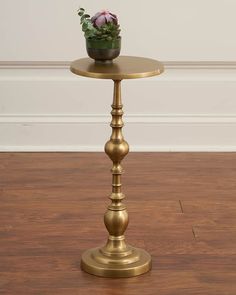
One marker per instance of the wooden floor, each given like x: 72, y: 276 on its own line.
x: 182, y: 210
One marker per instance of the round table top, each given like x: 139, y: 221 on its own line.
x: 123, y: 67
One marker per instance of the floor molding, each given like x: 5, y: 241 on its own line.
x: 100, y: 148
x: 203, y: 90
x: 131, y: 118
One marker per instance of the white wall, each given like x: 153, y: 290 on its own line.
x: 191, y: 106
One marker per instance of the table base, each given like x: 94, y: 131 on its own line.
x: 132, y: 262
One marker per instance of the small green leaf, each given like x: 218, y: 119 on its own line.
x: 84, y: 26
x: 84, y: 17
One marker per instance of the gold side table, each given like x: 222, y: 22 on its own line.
x: 116, y: 258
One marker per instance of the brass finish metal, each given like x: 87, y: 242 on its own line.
x: 123, y: 67
x: 116, y: 258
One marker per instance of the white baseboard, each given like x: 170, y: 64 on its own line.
x: 192, y: 107
x: 143, y: 132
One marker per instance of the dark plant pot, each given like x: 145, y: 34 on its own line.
x: 103, y: 51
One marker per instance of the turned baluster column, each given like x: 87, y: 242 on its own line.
x: 116, y: 218
x: 117, y: 259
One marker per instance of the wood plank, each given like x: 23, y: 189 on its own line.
x: 182, y: 209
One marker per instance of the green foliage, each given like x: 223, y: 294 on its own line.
x: 109, y: 31
x: 87, y: 26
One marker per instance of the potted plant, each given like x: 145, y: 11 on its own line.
x: 102, y: 34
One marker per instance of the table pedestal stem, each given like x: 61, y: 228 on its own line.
x: 116, y: 258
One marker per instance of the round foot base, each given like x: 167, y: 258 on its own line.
x: 95, y: 262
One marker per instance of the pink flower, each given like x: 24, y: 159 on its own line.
x: 104, y: 17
